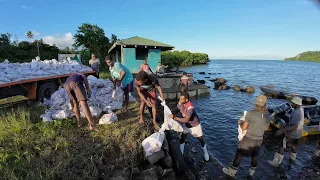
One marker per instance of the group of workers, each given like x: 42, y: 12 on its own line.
x: 146, y: 84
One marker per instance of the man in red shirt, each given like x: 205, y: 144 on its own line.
x: 191, y: 122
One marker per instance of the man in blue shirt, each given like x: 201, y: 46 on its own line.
x: 121, y: 76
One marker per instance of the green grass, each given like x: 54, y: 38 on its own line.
x: 32, y: 149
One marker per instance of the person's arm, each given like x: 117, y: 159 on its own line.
x: 150, y: 69
x: 244, y: 125
x: 183, y: 120
x: 160, y: 91
x: 86, y: 83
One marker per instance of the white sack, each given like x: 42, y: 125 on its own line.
x: 61, y: 114
x: 108, y: 118
x: 242, y: 133
x: 118, y: 94
x: 153, y: 143
x: 169, y: 124
x: 95, y: 111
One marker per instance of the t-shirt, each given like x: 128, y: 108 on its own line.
x: 95, y: 63
x: 76, y: 78
x: 187, y: 110
x: 116, y: 71
x: 144, y: 67
x: 297, y: 117
x: 258, y: 123
x: 185, y: 80
x: 150, y: 84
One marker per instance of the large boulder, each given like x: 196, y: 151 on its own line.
x: 224, y: 87
x: 148, y: 174
x: 168, y: 174
x: 221, y: 80
x: 237, y: 88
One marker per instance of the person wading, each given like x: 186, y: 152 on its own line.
x: 146, y: 86
x: 256, y: 122
x: 191, y: 123
x: 293, y: 132
x: 77, y: 94
x: 121, y: 76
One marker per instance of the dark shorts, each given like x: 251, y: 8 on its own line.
x: 152, y: 95
x: 128, y: 88
x: 249, y: 147
x: 76, y: 92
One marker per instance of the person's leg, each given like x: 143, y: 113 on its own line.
x: 293, y: 155
x: 278, y: 156
x: 126, y: 96
x: 142, y: 106
x: 254, y: 157
x: 202, y: 141
x: 182, y: 141
x: 153, y: 98
x: 76, y: 111
x: 87, y: 113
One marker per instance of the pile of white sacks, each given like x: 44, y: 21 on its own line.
x: 11, y: 72
x: 101, y: 100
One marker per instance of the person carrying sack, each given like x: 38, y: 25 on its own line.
x: 293, y: 132
x: 255, y: 123
x: 191, y: 123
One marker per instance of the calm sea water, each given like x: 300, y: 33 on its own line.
x: 220, y: 111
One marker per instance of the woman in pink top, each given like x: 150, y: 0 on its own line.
x: 145, y: 67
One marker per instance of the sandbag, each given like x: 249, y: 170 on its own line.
x: 61, y: 114
x: 95, y: 111
x: 153, y: 143
x: 108, y: 118
x: 118, y: 94
x: 169, y: 124
x: 242, y: 133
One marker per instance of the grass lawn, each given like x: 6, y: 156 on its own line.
x: 32, y: 149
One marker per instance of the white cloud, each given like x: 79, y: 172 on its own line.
x: 25, y: 7
x: 35, y: 33
x: 60, y: 41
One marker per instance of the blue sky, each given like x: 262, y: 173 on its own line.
x: 245, y: 29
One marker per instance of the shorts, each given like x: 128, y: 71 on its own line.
x: 76, y: 92
x: 249, y: 146
x: 128, y: 88
x: 194, y: 131
x: 152, y: 95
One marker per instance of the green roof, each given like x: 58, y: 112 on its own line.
x: 139, y: 41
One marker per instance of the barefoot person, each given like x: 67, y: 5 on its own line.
x: 77, y: 94
x: 146, y: 86
x: 293, y: 132
x: 256, y: 122
x: 121, y: 76
x: 191, y: 123
x: 184, y: 82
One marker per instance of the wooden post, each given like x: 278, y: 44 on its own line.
x: 122, y: 55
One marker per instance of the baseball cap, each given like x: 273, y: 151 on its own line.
x: 261, y: 100
x: 297, y: 100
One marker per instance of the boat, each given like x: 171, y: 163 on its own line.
x: 281, y: 116
x: 306, y: 100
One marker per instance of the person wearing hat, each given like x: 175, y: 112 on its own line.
x: 255, y: 122
x: 293, y: 132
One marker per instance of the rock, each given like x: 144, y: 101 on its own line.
x: 201, y: 81
x: 189, y: 176
x: 212, y: 80
x: 217, y: 85
x: 121, y: 174
x: 207, y: 77
x: 195, y: 82
x: 224, y: 87
x: 209, y: 73
x: 168, y: 174
x: 193, y: 149
x: 221, y: 80
x: 165, y: 145
x: 135, y: 171
x: 166, y: 162
x: 249, y: 89
x: 270, y: 86
x: 149, y: 174
x: 202, y: 73
x: 237, y: 88
x: 158, y: 169
x: 155, y: 156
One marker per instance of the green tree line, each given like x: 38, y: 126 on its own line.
x: 312, y: 56
x: 183, y: 58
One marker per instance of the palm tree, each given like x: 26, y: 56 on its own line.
x: 30, y: 35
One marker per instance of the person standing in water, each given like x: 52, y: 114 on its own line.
x: 77, y: 94
x: 255, y: 123
x: 293, y: 132
x: 94, y: 63
x: 191, y: 123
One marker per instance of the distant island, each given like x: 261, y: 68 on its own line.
x: 312, y: 56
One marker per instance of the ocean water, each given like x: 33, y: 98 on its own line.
x: 220, y: 111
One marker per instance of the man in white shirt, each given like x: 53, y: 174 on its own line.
x: 293, y: 132
x: 94, y: 63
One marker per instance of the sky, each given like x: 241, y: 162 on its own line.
x: 224, y: 29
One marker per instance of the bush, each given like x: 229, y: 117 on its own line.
x: 183, y: 58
